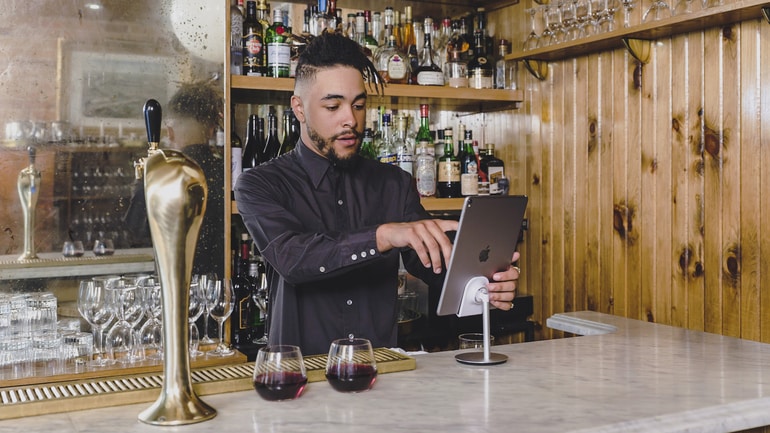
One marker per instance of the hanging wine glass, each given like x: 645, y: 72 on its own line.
x: 197, y: 306
x: 94, y: 307
x: 628, y: 6
x: 658, y: 10
x: 151, y: 333
x: 585, y: 19
x: 682, y: 7
x: 553, y: 22
x: 260, y: 298
x: 607, y: 20
x: 221, y: 306
x: 533, y: 39
x: 569, y: 20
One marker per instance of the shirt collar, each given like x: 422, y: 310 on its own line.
x: 315, y: 165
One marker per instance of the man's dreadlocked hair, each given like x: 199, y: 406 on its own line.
x: 334, y: 49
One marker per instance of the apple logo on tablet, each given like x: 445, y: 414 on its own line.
x: 484, y: 254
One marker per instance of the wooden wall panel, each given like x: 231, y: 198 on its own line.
x: 647, y: 189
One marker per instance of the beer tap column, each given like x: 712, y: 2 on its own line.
x: 175, y: 192
x: 28, y: 185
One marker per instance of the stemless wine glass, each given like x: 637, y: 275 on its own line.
x: 350, y: 366
x: 151, y: 333
x: 204, y: 284
x: 221, y: 306
x: 279, y: 373
x: 95, y: 309
x: 197, y: 305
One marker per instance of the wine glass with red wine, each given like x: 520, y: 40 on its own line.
x: 279, y: 373
x: 351, y: 366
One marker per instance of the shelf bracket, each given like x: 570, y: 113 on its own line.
x: 639, y: 49
x: 538, y: 68
x: 766, y: 13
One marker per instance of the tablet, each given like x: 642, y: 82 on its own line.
x: 484, y: 244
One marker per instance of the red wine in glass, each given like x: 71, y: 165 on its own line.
x: 279, y: 385
x: 351, y: 377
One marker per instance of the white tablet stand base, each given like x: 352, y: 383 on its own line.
x: 475, y: 301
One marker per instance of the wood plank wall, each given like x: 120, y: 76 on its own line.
x: 646, y: 186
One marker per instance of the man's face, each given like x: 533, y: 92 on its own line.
x: 332, y: 113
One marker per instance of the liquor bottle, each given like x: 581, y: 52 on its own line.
x: 236, y: 35
x: 404, y: 145
x: 289, y: 137
x: 458, y: 44
x: 251, y: 151
x: 243, y: 313
x: 278, y: 49
x: 367, y: 145
x: 448, y: 169
x: 425, y: 164
x: 272, y: 144
x: 494, y: 169
x: 320, y: 19
x: 236, y: 156
x: 391, y: 63
x: 469, y: 173
x: 370, y: 41
x: 428, y: 73
x: 386, y: 152
x: 252, y: 43
x: 481, y: 70
x: 456, y: 70
x: 263, y: 16
x: 350, y: 26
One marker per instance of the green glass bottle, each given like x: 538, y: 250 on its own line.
x: 448, y: 169
x: 278, y: 49
x: 367, y: 145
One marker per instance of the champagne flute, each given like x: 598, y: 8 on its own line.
x: 350, y: 366
x: 279, y: 373
x: 204, y: 285
x: 94, y: 307
x: 221, y: 306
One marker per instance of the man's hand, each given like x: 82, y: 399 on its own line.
x: 502, y: 287
x: 426, y: 237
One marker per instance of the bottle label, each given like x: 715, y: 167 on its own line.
x: 425, y: 176
x: 430, y: 78
x: 236, y: 164
x: 469, y: 184
x: 480, y: 79
x: 388, y: 159
x: 278, y: 55
x: 396, y: 67
x: 495, y: 173
x: 449, y: 171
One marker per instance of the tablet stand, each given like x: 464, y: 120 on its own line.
x: 475, y: 300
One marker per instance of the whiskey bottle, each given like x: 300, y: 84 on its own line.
x: 448, y: 169
x: 494, y: 169
x: 428, y: 73
x: 481, y: 70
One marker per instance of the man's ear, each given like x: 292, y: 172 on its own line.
x: 296, y: 106
x: 170, y: 131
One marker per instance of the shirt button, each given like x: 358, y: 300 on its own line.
x: 354, y: 257
x: 339, y: 202
x: 372, y: 252
x: 350, y: 302
x: 363, y: 253
x: 351, y: 336
x: 322, y: 269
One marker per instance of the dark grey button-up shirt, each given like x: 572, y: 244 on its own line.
x: 315, y: 226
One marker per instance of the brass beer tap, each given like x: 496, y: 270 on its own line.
x: 28, y: 185
x: 175, y: 192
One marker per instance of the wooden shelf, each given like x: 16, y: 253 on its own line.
x: 431, y: 204
x: 54, y: 265
x: 248, y: 89
x: 711, y: 17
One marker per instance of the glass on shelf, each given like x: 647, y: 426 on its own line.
x: 533, y: 39
x: 658, y: 10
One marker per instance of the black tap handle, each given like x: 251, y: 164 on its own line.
x: 31, y: 150
x: 152, y: 118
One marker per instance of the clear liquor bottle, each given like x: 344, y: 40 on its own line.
x: 448, y: 169
x: 428, y: 73
x: 404, y: 145
x: 392, y: 63
x: 370, y: 41
x: 236, y: 37
x: 386, y: 152
x: 278, y: 48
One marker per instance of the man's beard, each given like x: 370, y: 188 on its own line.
x: 324, y: 146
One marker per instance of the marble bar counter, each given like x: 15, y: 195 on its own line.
x: 642, y: 377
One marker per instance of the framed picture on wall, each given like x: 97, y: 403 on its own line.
x: 107, y: 90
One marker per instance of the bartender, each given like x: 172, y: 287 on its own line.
x: 331, y: 224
